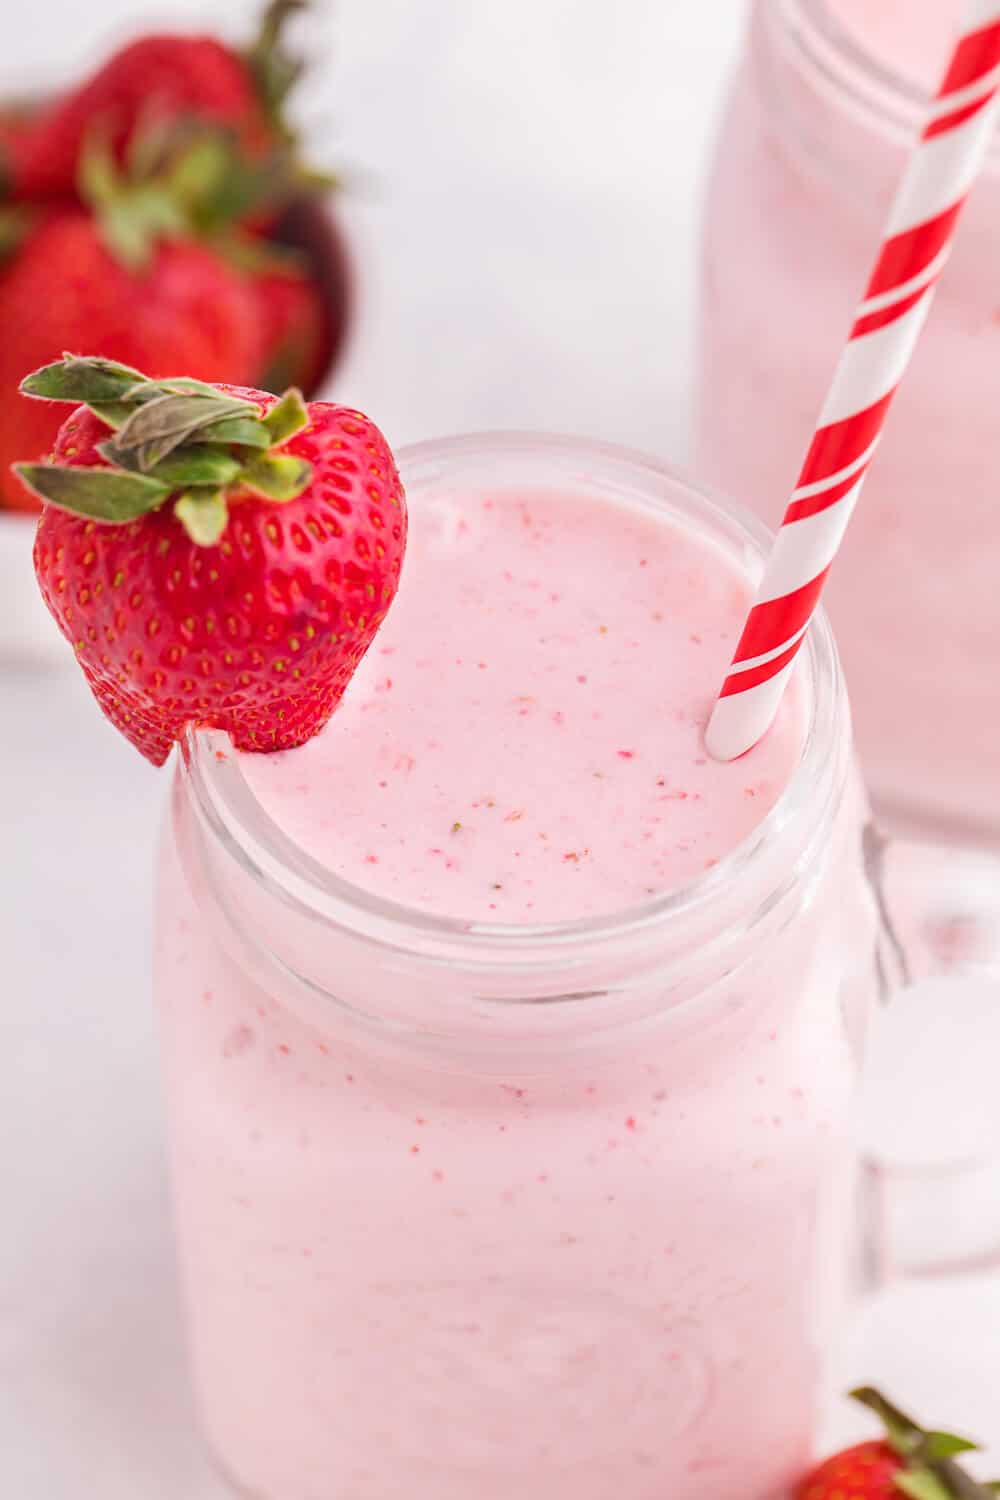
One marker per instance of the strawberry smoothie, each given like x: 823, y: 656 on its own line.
x: 525, y: 635
x: 510, y: 1042
x: 825, y: 104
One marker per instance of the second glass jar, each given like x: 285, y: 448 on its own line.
x: 814, y: 140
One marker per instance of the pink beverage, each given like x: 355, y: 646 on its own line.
x: 815, y: 138
x: 510, y: 1041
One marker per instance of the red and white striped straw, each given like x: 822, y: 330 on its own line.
x: 917, y: 243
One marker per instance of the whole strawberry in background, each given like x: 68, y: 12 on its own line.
x: 215, y: 556
x: 142, y: 216
x: 127, y: 279
x: 909, y: 1460
x: 158, y: 80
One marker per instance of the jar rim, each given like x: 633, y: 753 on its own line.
x: 894, y: 105
x: 791, y: 836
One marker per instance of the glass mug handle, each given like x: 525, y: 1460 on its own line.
x: 929, y: 1123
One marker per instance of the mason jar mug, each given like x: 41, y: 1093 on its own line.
x: 562, y: 1211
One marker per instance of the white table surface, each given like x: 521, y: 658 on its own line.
x: 527, y: 187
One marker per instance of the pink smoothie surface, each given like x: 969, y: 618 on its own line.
x: 524, y: 741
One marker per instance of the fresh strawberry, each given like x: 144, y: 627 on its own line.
x: 216, y: 556
x: 160, y: 81
x: 865, y: 1472
x: 295, y: 327
x: 909, y: 1461
x: 127, y: 283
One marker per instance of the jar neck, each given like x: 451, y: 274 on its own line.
x: 837, y: 103
x: 533, y: 993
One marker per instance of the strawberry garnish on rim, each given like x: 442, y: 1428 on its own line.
x: 909, y: 1460
x: 217, y: 556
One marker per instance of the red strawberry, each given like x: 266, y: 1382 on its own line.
x: 215, y: 556
x: 162, y: 81
x: 865, y: 1472
x: 295, y: 327
x: 128, y: 285
x: 910, y: 1461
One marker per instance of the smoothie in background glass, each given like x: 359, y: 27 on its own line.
x: 826, y: 103
x: 510, y: 1042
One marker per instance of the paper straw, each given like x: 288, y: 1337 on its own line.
x: 917, y: 242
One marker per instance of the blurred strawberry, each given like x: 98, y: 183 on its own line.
x: 908, y: 1460
x: 295, y: 328
x: 129, y: 283
x: 158, y: 81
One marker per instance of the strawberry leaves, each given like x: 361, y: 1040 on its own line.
x: 929, y: 1470
x: 187, y: 178
x: 287, y: 418
x: 203, y: 514
x: 197, y: 464
x: 922, y: 1485
x: 158, y: 426
x: 133, y: 215
x: 947, y: 1445
x: 101, y: 494
x: 171, y: 437
x: 277, y: 477
x: 83, y: 381
x: 274, y: 69
x: 246, y: 432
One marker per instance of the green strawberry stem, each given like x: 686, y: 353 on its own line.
x: 274, y: 69
x: 193, y: 178
x: 930, y: 1472
x: 179, y: 438
x: 133, y: 211
x: 188, y: 179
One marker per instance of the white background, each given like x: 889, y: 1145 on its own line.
x: 525, y: 182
